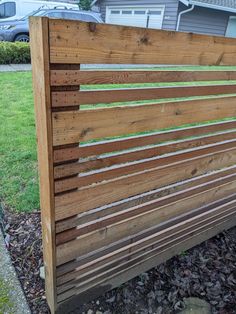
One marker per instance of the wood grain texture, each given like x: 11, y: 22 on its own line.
x: 115, y: 280
x: 110, y: 234
x: 139, y: 250
x: 103, y: 147
x: 41, y: 82
x: 138, y: 240
x: 138, y: 167
x: 75, y: 126
x: 140, y: 209
x: 78, y: 42
x: 75, y: 77
x: 99, y: 213
x: 88, y: 198
x: 70, y: 169
x: 76, y: 98
x: 169, y: 230
x: 90, y: 282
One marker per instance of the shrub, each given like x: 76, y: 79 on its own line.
x: 85, y: 5
x: 16, y: 52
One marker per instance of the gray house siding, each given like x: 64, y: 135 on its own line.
x: 171, y: 9
x: 204, y: 21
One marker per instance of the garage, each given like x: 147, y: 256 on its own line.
x: 141, y: 16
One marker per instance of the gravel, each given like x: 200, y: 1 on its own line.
x: 207, y: 271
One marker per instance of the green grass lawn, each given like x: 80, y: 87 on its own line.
x: 18, y: 158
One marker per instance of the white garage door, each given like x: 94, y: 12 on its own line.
x: 151, y: 17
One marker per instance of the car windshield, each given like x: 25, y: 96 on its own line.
x: 38, y: 12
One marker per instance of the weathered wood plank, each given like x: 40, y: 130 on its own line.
x: 76, y: 98
x: 79, y: 42
x: 75, y: 77
x: 215, y: 218
x: 103, y: 147
x: 147, y: 245
x: 139, y: 209
x: 75, y: 126
x: 142, y: 166
x: 102, y: 212
x: 70, y: 169
x: 132, y: 225
x: 136, y: 240
x: 40, y: 65
x: 92, y: 197
x: 115, y: 280
x: 132, y: 246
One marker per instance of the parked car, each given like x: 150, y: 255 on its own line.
x: 18, y: 30
x: 16, y: 9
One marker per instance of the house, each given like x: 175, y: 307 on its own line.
x: 216, y: 17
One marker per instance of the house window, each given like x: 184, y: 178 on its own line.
x: 115, y: 12
x: 126, y: 12
x: 140, y: 12
x: 155, y: 12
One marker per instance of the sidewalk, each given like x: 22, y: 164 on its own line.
x: 27, y: 67
x: 12, y: 299
x: 15, y: 67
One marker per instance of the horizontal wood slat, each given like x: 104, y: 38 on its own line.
x: 76, y: 98
x: 75, y: 77
x: 88, y: 198
x: 78, y: 42
x: 148, y: 244
x: 98, y: 163
x: 136, y: 241
x: 139, y: 209
x: 118, y: 230
x: 93, y: 215
x: 196, y: 237
x: 103, y: 147
x: 103, y: 276
x: 124, y: 170
x: 75, y: 126
x: 137, y: 247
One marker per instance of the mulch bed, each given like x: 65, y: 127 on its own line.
x: 208, y: 271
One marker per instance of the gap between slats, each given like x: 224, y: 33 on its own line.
x: 138, y: 167
x: 146, y: 245
x: 124, y: 157
x: 68, y: 153
x: 85, y: 199
x: 127, y: 243
x: 130, y: 226
x: 132, y: 211
x: 107, y: 275
x: 92, y: 216
x: 117, y: 171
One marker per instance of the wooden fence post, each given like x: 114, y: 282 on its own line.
x: 41, y: 79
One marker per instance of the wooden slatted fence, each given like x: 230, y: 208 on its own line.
x: 129, y: 176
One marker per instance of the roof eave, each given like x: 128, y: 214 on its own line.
x: 186, y: 2
x: 212, y: 6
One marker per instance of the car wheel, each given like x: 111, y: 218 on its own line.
x: 23, y: 38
